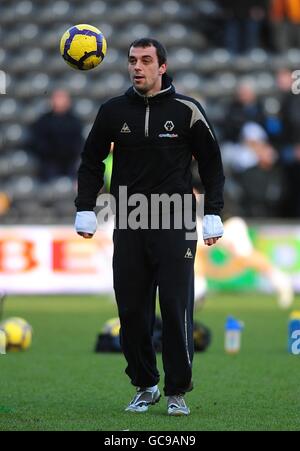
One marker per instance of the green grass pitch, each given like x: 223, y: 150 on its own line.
x: 61, y: 384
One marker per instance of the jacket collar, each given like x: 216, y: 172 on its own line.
x: 167, y: 89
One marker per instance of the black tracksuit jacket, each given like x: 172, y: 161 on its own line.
x: 154, y: 140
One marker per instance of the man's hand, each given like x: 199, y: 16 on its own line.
x: 211, y: 241
x: 86, y: 224
x: 212, y: 229
x: 85, y: 235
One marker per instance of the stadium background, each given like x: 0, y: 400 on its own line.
x: 198, y: 59
x: 204, y: 64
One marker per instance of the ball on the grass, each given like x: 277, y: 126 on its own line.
x: 18, y: 334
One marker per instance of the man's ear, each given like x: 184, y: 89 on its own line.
x: 163, y: 69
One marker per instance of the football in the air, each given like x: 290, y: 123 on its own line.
x: 83, y: 47
x: 18, y: 334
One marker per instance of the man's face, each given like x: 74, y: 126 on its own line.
x: 60, y: 102
x: 144, y: 70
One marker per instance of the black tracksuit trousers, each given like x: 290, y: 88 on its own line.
x: 144, y: 260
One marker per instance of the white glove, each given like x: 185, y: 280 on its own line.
x: 86, y: 222
x: 212, y: 227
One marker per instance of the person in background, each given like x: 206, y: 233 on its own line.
x: 253, y: 164
x: 243, y: 24
x: 289, y: 99
x: 284, y: 16
x: 245, y: 107
x: 56, y: 139
x: 241, y: 256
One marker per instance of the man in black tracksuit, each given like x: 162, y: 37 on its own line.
x: 156, y: 132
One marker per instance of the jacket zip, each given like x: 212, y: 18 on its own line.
x: 147, y: 117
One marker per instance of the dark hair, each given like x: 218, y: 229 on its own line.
x: 148, y: 42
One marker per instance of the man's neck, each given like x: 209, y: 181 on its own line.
x: 151, y: 93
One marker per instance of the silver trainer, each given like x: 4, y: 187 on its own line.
x: 177, y: 406
x: 143, y: 399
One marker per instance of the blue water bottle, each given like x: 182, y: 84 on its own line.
x: 233, y: 332
x: 294, y: 333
